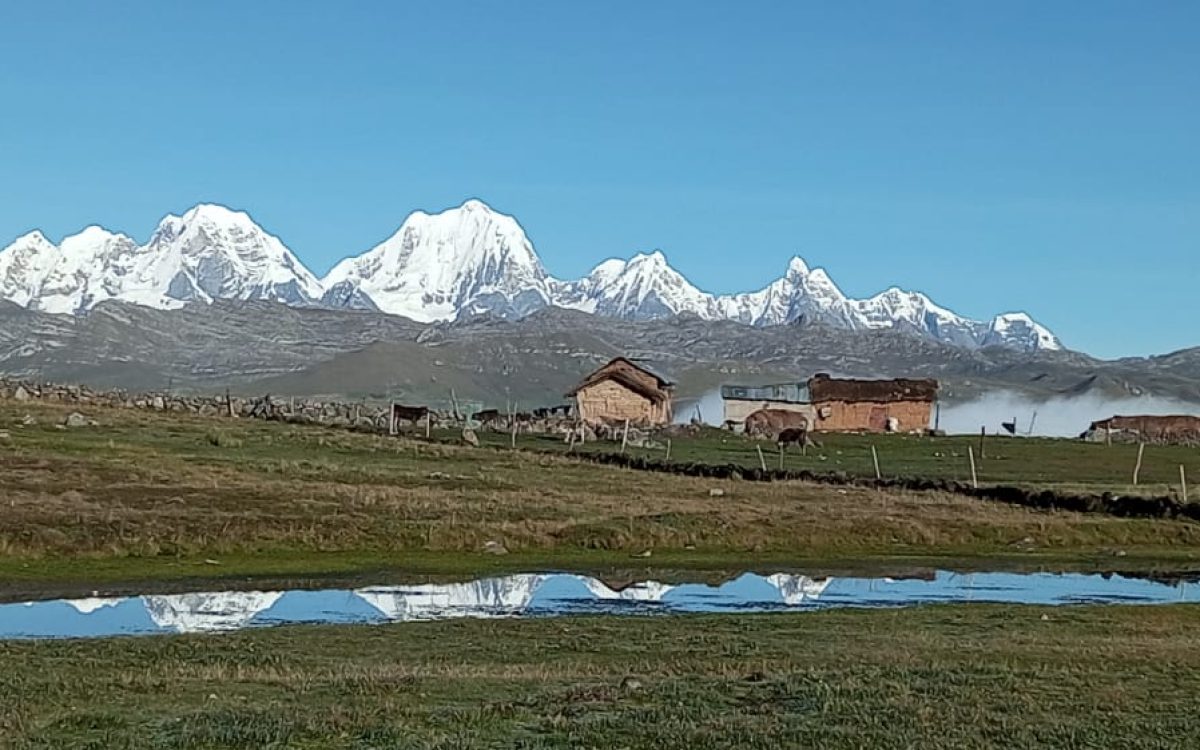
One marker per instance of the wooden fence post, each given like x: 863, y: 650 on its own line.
x: 982, y: 435
x: 514, y: 432
x: 625, y: 437
x: 668, y: 458
x: 875, y: 459
x: 392, y: 418
x: 762, y: 461
x: 428, y: 425
x: 781, y: 456
x: 1137, y: 466
x: 1183, y: 483
x: 974, y: 476
x: 228, y: 403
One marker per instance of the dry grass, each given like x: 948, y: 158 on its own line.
x: 147, y: 485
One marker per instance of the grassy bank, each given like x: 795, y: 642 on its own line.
x: 934, y: 677
x: 73, y: 578
x: 170, y: 495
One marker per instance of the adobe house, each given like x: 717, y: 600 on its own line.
x: 847, y: 405
x: 1180, y: 429
x: 840, y: 404
x: 622, y: 390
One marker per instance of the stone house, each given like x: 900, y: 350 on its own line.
x: 623, y: 390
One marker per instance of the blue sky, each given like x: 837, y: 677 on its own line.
x: 1015, y: 155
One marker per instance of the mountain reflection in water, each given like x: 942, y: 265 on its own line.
x: 549, y: 594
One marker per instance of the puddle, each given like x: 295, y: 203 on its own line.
x: 544, y: 595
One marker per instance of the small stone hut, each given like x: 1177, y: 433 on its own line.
x: 896, y: 405
x: 623, y: 390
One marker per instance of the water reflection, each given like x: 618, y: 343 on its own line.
x: 533, y: 595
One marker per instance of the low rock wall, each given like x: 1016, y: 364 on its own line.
x: 309, y: 411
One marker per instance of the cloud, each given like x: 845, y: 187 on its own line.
x: 1064, y: 416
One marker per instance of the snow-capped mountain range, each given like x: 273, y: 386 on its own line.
x: 463, y: 261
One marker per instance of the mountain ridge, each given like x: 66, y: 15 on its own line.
x: 460, y: 262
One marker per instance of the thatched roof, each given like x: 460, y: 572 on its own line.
x: 824, y: 388
x: 633, y: 376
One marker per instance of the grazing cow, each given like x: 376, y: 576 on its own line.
x: 408, y: 413
x: 770, y: 422
x: 794, y: 436
x: 486, y: 416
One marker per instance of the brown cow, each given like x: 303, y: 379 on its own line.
x: 794, y: 436
x: 487, y: 416
x: 408, y: 413
x: 770, y: 422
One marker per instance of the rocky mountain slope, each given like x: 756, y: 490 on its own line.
x: 258, y: 347
x: 438, y: 267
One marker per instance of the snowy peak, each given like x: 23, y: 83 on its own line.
x: 213, y: 252
x: 796, y: 268
x: 643, y: 288
x: 1018, y: 330
x: 437, y: 265
x: 24, y: 266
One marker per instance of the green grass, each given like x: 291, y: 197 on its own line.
x: 1069, y: 465
x: 147, y: 495
x: 935, y: 677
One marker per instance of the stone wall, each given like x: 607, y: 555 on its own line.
x: 309, y: 411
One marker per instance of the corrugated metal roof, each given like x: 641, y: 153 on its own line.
x: 794, y: 393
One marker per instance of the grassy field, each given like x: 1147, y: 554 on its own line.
x: 146, y: 495
x: 1069, y: 465
x: 935, y: 677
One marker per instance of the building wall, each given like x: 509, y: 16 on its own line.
x: 611, y: 401
x: 736, y: 410
x: 852, y: 416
